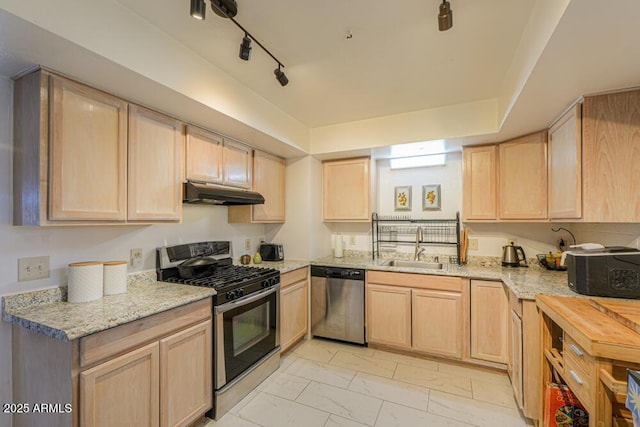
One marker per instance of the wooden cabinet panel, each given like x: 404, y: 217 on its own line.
x: 515, y: 357
x: 125, y: 388
x: 269, y: 180
x: 489, y: 321
x: 437, y: 318
x: 346, y: 190
x: 388, y: 318
x: 565, y: 165
x: 294, y: 313
x: 523, y: 177
x: 236, y: 164
x: 155, y: 159
x: 88, y: 153
x: 479, y: 182
x: 611, y: 155
x: 204, y: 156
x: 185, y: 385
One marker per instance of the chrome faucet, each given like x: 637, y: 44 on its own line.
x: 419, y: 250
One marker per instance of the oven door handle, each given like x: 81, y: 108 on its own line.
x: 249, y: 299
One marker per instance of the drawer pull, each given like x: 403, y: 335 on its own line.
x: 576, y: 350
x: 575, y: 377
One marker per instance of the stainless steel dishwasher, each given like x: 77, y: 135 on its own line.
x: 337, y: 303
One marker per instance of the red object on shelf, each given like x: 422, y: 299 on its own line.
x: 562, y: 408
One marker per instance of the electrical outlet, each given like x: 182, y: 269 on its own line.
x: 352, y: 240
x: 136, y: 257
x: 247, y: 244
x: 473, y: 244
x: 512, y: 239
x: 33, y: 268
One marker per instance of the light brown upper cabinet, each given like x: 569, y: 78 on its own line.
x: 346, y: 190
x: 269, y: 180
x: 565, y: 166
x: 236, y: 164
x: 522, y: 177
x: 479, y: 182
x: 78, y: 160
x: 155, y: 175
x: 611, y: 157
x: 217, y: 160
x: 70, y: 156
x: 204, y: 156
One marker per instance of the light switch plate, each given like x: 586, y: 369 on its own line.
x: 473, y: 244
x: 33, y: 268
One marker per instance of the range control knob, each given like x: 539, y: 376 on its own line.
x: 230, y: 295
x: 273, y: 281
x: 239, y: 292
x: 265, y: 283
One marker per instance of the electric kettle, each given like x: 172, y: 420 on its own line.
x: 511, y: 256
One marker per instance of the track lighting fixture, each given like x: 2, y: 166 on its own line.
x: 445, y: 17
x: 245, y: 48
x: 198, y: 8
x: 229, y: 9
x: 280, y: 76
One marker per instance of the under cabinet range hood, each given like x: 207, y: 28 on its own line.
x: 200, y: 193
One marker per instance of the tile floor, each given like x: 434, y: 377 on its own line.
x: 328, y: 384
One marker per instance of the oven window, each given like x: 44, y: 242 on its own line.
x: 250, y: 332
x: 249, y: 328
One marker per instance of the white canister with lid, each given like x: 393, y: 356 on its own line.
x: 85, y: 281
x: 115, y: 277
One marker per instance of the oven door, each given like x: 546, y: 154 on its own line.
x: 246, y: 330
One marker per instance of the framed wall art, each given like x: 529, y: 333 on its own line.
x: 431, y: 197
x: 402, y: 198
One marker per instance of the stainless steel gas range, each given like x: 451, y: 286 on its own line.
x: 246, y: 331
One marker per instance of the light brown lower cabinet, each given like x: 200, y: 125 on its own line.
x: 489, y: 321
x: 294, y: 307
x: 422, y: 313
x: 155, y: 371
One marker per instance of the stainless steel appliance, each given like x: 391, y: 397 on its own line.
x: 606, y: 272
x: 271, y: 252
x: 246, y: 332
x: 511, y: 256
x: 337, y: 303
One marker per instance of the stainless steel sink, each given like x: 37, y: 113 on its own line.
x: 414, y: 264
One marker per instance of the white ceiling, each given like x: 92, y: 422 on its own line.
x: 499, y: 65
x: 397, y: 61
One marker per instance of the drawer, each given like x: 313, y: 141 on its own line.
x: 422, y: 281
x: 294, y: 276
x: 579, y: 357
x: 123, y: 338
x: 579, y: 372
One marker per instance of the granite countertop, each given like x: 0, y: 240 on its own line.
x: 47, y: 312
x: 525, y: 283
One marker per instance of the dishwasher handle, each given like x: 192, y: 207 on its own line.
x: 337, y: 273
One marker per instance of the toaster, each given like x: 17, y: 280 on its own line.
x: 606, y: 272
x: 271, y: 252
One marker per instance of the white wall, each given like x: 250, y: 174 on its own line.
x: 69, y: 244
x: 304, y: 235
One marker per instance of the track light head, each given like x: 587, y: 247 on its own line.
x: 282, y: 79
x: 198, y: 9
x: 225, y: 8
x: 445, y: 17
x: 245, y: 48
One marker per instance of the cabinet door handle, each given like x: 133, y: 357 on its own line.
x: 576, y: 350
x: 575, y: 377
